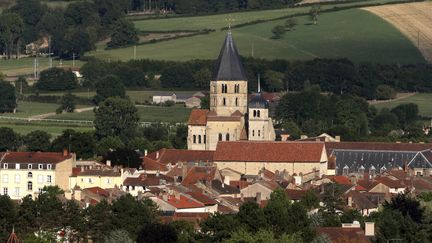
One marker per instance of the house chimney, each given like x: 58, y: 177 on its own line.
x: 184, y: 171
x: 338, y: 138
x: 108, y: 163
x: 65, y: 152
x: 258, y: 198
x: 82, y: 168
x: 303, y: 136
x: 165, y: 197
x: 350, y: 201
x: 157, y: 173
x: 157, y: 154
x: 145, y: 152
x: 223, y: 185
x: 369, y: 228
x: 227, y: 180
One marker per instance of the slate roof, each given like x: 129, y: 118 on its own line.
x: 257, y: 101
x: 228, y: 66
x: 357, y: 156
x: 257, y: 151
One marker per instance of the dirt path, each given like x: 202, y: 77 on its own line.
x: 46, y: 115
x: 414, y: 20
x: 398, y: 97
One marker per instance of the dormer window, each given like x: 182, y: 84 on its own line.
x: 40, y: 166
x: 345, y: 170
x: 5, y: 166
x: 17, y: 166
x: 49, y: 167
x: 361, y: 169
x: 29, y: 166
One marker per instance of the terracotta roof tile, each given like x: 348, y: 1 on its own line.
x: 173, y: 156
x: 151, y: 164
x: 255, y: 151
x: 183, y: 202
x: 343, y: 235
x: 390, y: 183
x: 34, y: 157
x: 98, y: 191
x: 342, y: 180
x: 199, y: 173
x: 198, y: 117
x: 295, y: 194
x: 202, y: 198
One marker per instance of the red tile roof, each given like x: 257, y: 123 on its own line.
x: 199, y: 173
x: 183, y: 202
x: 378, y: 146
x: 150, y: 164
x: 342, y: 180
x: 173, y: 156
x: 343, y: 235
x: 98, y: 191
x: 255, y: 151
x: 295, y: 194
x: 202, y: 198
x: 34, y: 157
x: 390, y: 183
x: 198, y: 117
x: 147, y: 180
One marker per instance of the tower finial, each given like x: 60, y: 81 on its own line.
x: 259, y: 83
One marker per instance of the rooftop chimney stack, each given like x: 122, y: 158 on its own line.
x: 65, y: 152
x: 370, y: 229
x: 108, y: 163
x: 157, y: 155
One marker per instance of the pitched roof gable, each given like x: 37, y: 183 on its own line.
x: 198, y: 117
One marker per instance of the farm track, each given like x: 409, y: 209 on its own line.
x: 414, y: 20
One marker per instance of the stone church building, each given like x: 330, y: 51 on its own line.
x: 231, y: 117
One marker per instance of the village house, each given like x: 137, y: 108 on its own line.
x: 162, y: 97
x: 106, y: 177
x: 27, y: 173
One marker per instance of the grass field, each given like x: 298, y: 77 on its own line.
x: 355, y: 34
x: 173, y: 114
x: 14, y: 67
x: 423, y: 100
x: 54, y: 130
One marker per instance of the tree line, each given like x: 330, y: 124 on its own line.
x: 311, y: 112
x: 339, y: 76
x: 67, y: 32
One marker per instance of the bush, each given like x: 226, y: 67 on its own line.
x: 385, y: 92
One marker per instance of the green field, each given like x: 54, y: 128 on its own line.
x: 423, y: 100
x: 54, y: 130
x: 173, y: 114
x: 355, y: 34
x: 21, y: 66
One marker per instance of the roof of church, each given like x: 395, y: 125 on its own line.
x: 229, y: 66
x: 198, y: 117
x: 265, y: 151
x: 257, y: 101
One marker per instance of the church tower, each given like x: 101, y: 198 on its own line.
x: 228, y: 87
x: 260, y: 124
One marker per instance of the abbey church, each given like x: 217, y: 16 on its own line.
x: 231, y: 116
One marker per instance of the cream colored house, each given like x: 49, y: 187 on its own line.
x: 103, y: 178
x: 26, y: 173
x: 227, y: 118
x: 249, y: 157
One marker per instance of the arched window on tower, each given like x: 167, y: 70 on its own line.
x: 254, y: 113
x: 199, y: 138
x: 236, y: 101
x: 258, y: 113
x: 224, y: 101
x: 220, y: 136
x: 205, y: 138
x: 253, y: 133
x: 194, y: 138
x: 259, y: 133
x: 227, y: 137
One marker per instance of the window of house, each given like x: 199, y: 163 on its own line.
x: 258, y: 113
x: 5, y: 191
x: 29, y: 186
x: 5, y: 166
x: 29, y: 166
x: 29, y: 175
x: 194, y: 138
x: 40, y: 166
x: 17, y: 178
x: 227, y: 136
x: 49, y: 167
x: 5, y: 178
x: 220, y: 136
x: 48, y: 179
x: 108, y: 181
x: 17, y: 166
x: 17, y: 191
x: 199, y: 138
x: 40, y: 190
